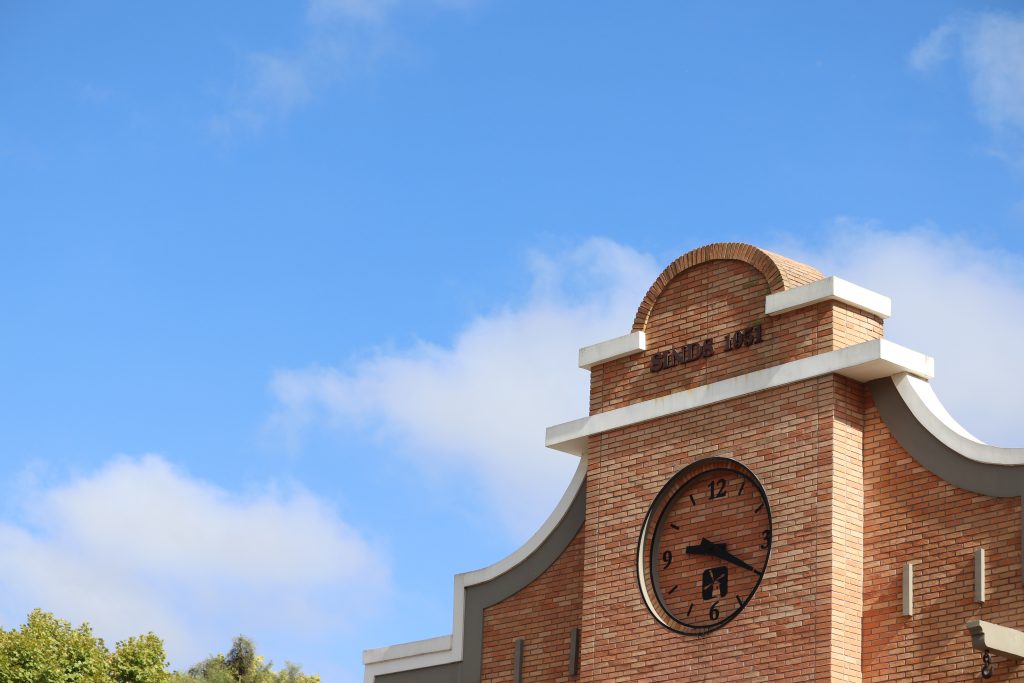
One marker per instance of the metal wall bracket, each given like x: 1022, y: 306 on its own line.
x: 1008, y: 642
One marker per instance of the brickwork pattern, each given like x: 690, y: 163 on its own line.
x: 778, y: 271
x: 711, y: 300
x: 543, y: 614
x: 845, y: 544
x: 914, y: 516
x: 780, y: 436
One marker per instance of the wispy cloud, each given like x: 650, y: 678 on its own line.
x: 991, y: 48
x: 140, y: 546
x: 339, y: 36
x: 483, y: 402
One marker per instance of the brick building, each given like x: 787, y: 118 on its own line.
x: 768, y: 490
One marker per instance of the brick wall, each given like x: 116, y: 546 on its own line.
x: 914, y: 516
x: 543, y: 614
x: 711, y: 300
x: 783, y: 435
x: 803, y: 441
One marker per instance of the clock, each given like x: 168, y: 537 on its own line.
x: 704, y: 546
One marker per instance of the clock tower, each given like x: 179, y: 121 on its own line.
x: 768, y: 490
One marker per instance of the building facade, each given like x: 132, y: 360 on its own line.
x: 768, y: 490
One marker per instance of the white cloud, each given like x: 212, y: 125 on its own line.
x: 483, y: 402
x: 338, y: 36
x: 992, y: 50
x: 140, y: 546
x: 995, y: 55
x: 960, y: 303
x: 935, y: 48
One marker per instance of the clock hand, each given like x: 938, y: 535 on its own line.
x: 722, y: 553
x: 706, y: 547
x: 718, y: 550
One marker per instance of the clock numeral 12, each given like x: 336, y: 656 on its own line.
x: 718, y: 492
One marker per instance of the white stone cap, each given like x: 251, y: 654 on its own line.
x: 861, y: 362
x: 1002, y: 640
x: 830, y: 288
x: 620, y: 347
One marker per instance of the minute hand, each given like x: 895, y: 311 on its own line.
x: 718, y: 550
x: 721, y: 552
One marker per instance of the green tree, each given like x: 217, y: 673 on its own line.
x: 243, y: 665
x: 49, y: 650
x: 139, y: 660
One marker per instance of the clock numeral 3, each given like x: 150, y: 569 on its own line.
x: 767, y: 536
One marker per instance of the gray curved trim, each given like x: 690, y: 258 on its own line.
x: 445, y: 673
x: 1001, y: 481
x: 488, y: 593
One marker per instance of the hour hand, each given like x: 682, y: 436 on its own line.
x: 706, y: 547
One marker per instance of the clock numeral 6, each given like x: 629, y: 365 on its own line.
x: 767, y: 536
x: 713, y: 612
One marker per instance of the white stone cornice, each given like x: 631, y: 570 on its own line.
x: 620, y: 347
x: 862, y: 362
x: 830, y: 288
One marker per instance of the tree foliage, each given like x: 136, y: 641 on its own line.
x: 243, y: 665
x: 49, y: 650
x: 139, y: 660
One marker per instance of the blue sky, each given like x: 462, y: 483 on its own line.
x: 290, y: 291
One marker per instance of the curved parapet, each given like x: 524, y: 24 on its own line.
x: 781, y: 273
x: 929, y: 411
x: 457, y: 658
x: 922, y: 426
x: 919, y: 422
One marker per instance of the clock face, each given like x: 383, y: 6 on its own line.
x: 704, y: 546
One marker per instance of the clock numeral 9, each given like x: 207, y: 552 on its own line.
x: 667, y: 558
x: 767, y: 536
x: 717, y: 487
x: 713, y: 612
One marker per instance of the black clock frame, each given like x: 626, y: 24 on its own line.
x: 661, y: 503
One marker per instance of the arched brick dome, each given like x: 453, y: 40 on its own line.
x: 780, y: 272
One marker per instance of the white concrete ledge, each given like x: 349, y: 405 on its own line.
x: 1008, y: 642
x: 447, y: 649
x: 830, y: 288
x: 416, y: 648
x: 605, y: 351
x: 862, y: 362
x: 928, y: 410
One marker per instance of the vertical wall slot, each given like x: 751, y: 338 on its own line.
x: 574, y: 652
x: 517, y: 671
x: 979, y: 575
x: 908, y: 590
